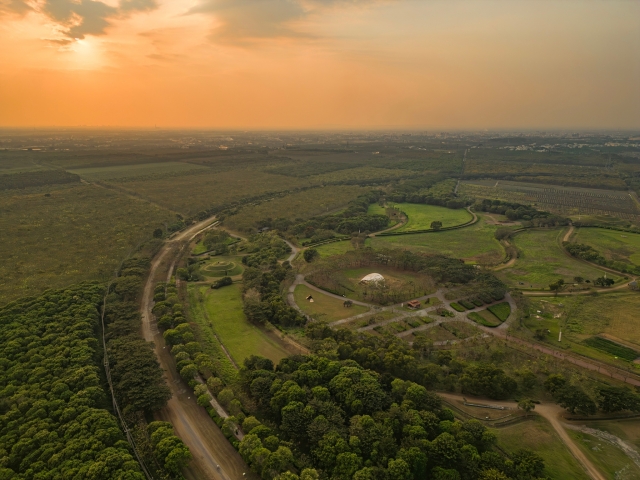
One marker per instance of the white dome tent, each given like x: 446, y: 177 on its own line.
x: 372, y: 278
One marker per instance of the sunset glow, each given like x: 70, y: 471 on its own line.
x: 320, y: 64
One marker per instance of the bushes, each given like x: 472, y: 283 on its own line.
x: 501, y: 310
x: 466, y: 304
x: 223, y: 282
x: 457, y: 307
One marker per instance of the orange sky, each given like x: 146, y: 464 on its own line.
x: 320, y: 63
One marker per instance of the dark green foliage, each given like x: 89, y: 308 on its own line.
x: 350, y: 422
x: 575, y: 400
x: 170, y: 452
x: 223, y: 282
x: 191, y: 273
x: 501, y: 310
x: 310, y: 255
x: 615, y: 399
x: 517, y: 211
x: 54, y: 423
x: 37, y: 179
x: 264, y: 250
x: 487, y: 380
x: 612, y: 348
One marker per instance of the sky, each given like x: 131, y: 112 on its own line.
x: 309, y: 64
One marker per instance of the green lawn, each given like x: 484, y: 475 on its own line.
x: 324, y: 307
x: 335, y: 248
x: 613, y: 245
x: 485, y: 317
x: 237, y: 334
x: 501, y: 310
x: 375, y: 209
x: 420, y: 216
x: 221, y: 266
x: 539, y: 436
x: 474, y: 244
x: 610, y: 460
x: 542, y: 261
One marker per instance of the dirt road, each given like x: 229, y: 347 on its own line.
x: 551, y: 413
x: 213, y: 455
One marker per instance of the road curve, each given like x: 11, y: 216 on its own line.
x: 213, y: 455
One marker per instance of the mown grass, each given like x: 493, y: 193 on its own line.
x: 323, y: 306
x: 536, y: 434
x: 78, y: 233
x: 206, y: 337
x: 542, y: 261
x: 420, y: 216
x: 474, y: 244
x: 613, y: 245
x: 241, y: 337
x: 484, y: 317
x: 334, y: 248
x: 610, y: 460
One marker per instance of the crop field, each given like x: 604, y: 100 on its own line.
x: 537, y: 435
x: 123, y: 173
x: 222, y: 266
x: 501, y: 310
x: 474, y: 244
x: 613, y: 245
x: 190, y: 194
x: 609, y: 459
x: 237, y: 334
x: 420, y: 216
x: 612, y: 348
x: 324, y: 307
x: 563, y: 200
x: 542, y: 261
x: 361, y: 174
x: 78, y: 233
x: 305, y: 204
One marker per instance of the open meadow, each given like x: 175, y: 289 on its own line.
x: 324, y: 307
x: 613, y: 245
x: 421, y: 216
x: 537, y: 435
x: 475, y: 243
x: 541, y: 261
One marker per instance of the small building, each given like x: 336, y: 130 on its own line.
x: 309, y: 299
x: 633, y: 285
x: 413, y: 304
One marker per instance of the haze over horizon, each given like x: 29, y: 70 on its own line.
x: 320, y: 64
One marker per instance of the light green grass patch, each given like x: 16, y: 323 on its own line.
x: 501, y: 310
x: 475, y: 243
x: 610, y: 460
x: 542, y: 261
x: 222, y: 266
x: 537, y: 435
x: 323, y: 306
x: 485, y: 317
x: 613, y: 245
x: 123, y: 172
x: 420, y: 216
x: 334, y: 248
x: 241, y: 337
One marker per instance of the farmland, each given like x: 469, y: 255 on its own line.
x: 542, y: 261
x: 76, y: 233
x: 485, y: 317
x: 420, y: 216
x: 123, y: 173
x: 473, y: 244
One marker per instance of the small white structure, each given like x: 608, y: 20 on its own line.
x: 374, y: 278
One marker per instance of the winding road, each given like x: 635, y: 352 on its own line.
x: 213, y: 455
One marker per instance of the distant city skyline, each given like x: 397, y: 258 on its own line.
x: 321, y: 64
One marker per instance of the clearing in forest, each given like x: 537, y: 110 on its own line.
x: 420, y: 216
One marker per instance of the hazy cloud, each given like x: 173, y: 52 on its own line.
x: 78, y: 18
x: 258, y: 19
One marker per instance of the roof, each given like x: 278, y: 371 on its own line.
x: 372, y: 278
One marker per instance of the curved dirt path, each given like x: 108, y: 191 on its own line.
x: 213, y: 455
x: 551, y: 412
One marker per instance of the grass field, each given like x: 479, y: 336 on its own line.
x: 335, y: 248
x: 324, y: 307
x: 237, y: 334
x: 542, y: 261
x: 617, y: 246
x: 473, y: 244
x: 222, y: 266
x: 78, y: 233
x: 536, y: 434
x: 612, y: 348
x: 628, y: 429
x: 610, y: 460
x: 127, y: 172
x: 411, y: 284
x: 420, y: 216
